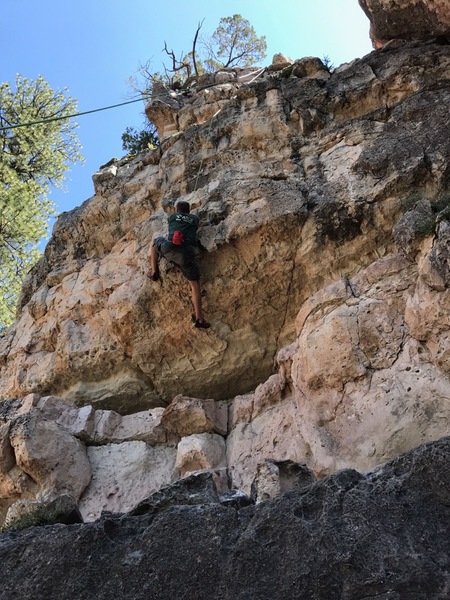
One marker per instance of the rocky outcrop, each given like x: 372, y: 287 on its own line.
x: 187, y: 416
x: 352, y: 535
x: 406, y: 19
x: 50, y: 449
x: 298, y: 177
x: 366, y: 379
x: 28, y: 513
x: 325, y: 276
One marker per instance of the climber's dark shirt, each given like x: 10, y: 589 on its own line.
x: 187, y: 224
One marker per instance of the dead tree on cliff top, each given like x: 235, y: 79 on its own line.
x: 233, y: 44
x: 186, y: 66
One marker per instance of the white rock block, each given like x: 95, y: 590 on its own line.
x: 50, y: 455
x: 123, y: 475
x: 143, y: 426
x: 84, y: 424
x: 200, y: 451
x: 187, y: 416
x: 105, y: 422
x: 59, y: 410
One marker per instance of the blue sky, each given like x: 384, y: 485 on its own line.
x: 92, y: 47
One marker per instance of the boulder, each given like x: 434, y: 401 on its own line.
x: 224, y: 77
x: 186, y: 416
x: 78, y: 421
x: 406, y: 19
x: 13, y: 481
x: 279, y: 62
x: 200, y: 451
x: 47, y: 453
x: 310, y: 66
x: 143, y: 426
x: 26, y: 513
x: 123, y: 475
x: 280, y: 59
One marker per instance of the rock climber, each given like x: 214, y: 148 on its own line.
x: 179, y: 248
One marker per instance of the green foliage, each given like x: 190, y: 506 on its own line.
x: 35, y: 518
x: 135, y: 141
x: 31, y: 160
x: 328, y: 62
x: 234, y: 44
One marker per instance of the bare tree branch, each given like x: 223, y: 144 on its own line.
x: 177, y: 64
x: 194, y: 43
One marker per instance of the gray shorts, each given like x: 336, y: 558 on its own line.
x: 182, y: 256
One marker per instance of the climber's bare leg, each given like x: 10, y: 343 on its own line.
x: 197, y: 303
x: 154, y: 256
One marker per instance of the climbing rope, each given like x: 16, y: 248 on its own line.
x: 258, y: 73
x: 87, y: 112
x: 62, y: 118
x: 203, y: 158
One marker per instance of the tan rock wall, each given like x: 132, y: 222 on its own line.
x: 298, y: 181
x: 324, y: 202
x: 362, y: 383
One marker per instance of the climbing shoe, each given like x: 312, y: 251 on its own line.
x: 153, y: 276
x: 200, y: 323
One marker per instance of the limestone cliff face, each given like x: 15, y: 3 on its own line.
x: 324, y: 199
x: 299, y: 178
x: 325, y: 205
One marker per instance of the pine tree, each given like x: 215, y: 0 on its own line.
x: 32, y: 159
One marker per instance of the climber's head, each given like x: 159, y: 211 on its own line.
x: 183, y: 207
